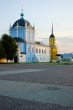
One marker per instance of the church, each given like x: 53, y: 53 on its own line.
x: 28, y: 49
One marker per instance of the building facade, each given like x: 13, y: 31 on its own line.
x: 28, y: 50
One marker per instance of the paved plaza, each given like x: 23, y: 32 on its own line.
x: 36, y: 87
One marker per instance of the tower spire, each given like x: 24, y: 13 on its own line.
x: 52, y: 28
x: 22, y: 13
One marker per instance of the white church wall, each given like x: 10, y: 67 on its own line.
x: 42, y: 53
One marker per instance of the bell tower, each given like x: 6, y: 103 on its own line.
x: 53, y: 48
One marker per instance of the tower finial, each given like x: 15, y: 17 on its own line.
x: 22, y: 13
x: 52, y: 28
x: 10, y: 26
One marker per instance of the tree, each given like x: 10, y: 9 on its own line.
x: 2, y: 51
x: 9, y: 45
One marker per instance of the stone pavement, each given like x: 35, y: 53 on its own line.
x: 38, y: 92
x: 45, y: 93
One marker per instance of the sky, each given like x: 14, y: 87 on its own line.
x: 41, y: 14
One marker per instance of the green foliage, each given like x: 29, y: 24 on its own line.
x: 9, y: 46
x: 2, y: 51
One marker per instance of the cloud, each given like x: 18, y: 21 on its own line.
x: 65, y: 44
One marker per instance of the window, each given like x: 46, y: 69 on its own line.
x: 42, y: 50
x: 39, y: 50
x: 36, y: 50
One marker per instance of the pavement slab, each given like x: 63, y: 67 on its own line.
x: 45, y: 93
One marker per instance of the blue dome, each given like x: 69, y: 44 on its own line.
x: 21, y: 22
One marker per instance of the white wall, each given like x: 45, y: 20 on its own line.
x: 22, y: 58
x: 42, y: 56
